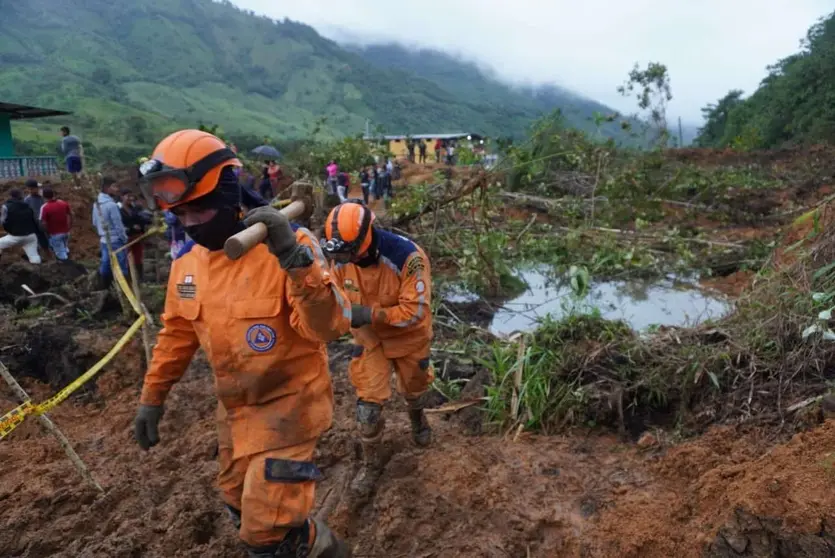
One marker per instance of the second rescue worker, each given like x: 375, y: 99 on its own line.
x: 388, y: 281
x: 262, y: 321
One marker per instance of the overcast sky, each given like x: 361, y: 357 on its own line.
x: 589, y: 46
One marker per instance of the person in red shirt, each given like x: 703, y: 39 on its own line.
x: 56, y: 218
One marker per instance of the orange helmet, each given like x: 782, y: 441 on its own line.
x: 185, y: 166
x: 348, y: 229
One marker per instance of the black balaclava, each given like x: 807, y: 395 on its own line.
x: 227, y: 198
x: 373, y: 253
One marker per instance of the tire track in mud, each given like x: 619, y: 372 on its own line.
x: 579, y: 495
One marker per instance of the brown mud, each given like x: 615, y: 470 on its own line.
x: 732, y: 492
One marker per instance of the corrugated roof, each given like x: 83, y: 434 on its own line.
x: 21, y: 112
x: 426, y: 136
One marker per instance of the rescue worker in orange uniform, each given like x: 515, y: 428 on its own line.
x: 387, y: 278
x: 262, y: 321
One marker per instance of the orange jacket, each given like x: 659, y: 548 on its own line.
x: 398, y: 289
x: 263, y: 330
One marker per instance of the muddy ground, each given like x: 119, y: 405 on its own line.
x: 734, y: 491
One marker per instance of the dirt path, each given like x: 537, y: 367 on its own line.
x: 572, y: 496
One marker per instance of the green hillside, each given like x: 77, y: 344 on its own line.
x: 467, y: 81
x: 131, y: 71
x: 794, y: 104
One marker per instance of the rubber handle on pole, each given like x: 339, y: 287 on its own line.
x: 242, y: 242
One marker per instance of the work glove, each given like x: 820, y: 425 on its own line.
x: 360, y: 315
x: 146, y: 425
x: 281, y: 240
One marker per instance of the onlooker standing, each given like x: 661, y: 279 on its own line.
x: 343, y: 185
x: 422, y: 152
x: 56, y: 218
x: 333, y: 172
x: 17, y: 219
x: 107, y: 218
x: 450, y: 154
x: 265, y: 188
x: 34, y: 199
x: 275, y: 174
x: 375, y: 181
x: 365, y: 182
x: 136, y: 220
x: 438, y: 147
x: 382, y: 179
x: 72, y: 150
x: 411, y: 147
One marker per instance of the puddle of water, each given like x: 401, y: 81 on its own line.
x: 640, y: 303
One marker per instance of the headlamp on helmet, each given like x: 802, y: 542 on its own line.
x: 337, y: 244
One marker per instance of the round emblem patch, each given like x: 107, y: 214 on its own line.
x: 261, y: 338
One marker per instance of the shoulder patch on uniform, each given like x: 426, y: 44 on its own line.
x: 415, y: 265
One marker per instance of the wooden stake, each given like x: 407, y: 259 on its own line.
x: 146, y: 335
x: 51, y: 428
x: 518, y: 375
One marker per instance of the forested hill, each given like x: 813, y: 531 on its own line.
x: 132, y: 70
x: 467, y: 81
x: 795, y: 103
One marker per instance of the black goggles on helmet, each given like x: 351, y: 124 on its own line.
x: 170, y: 184
x: 337, y: 245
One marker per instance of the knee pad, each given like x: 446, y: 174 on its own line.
x: 369, y: 418
x: 294, y: 544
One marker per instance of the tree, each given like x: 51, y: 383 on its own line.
x: 651, y: 87
x: 716, y: 119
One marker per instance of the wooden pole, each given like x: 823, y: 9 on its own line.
x: 146, y: 335
x: 52, y: 429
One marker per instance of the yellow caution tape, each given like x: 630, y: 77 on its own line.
x: 152, y: 231
x: 16, y: 416
x: 123, y: 284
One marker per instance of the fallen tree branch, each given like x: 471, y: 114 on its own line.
x: 647, y: 236
x: 479, y: 182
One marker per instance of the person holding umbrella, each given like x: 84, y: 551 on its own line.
x: 269, y: 172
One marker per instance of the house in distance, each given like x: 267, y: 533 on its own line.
x: 398, y: 144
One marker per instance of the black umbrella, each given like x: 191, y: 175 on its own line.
x: 267, y: 151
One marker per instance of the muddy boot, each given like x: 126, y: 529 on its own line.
x: 421, y: 431
x: 371, y: 425
x: 327, y: 544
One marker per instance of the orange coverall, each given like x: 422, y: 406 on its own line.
x: 263, y: 330
x: 398, y: 291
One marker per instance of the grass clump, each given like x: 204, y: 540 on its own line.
x: 749, y: 367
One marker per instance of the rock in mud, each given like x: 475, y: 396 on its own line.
x: 749, y: 535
